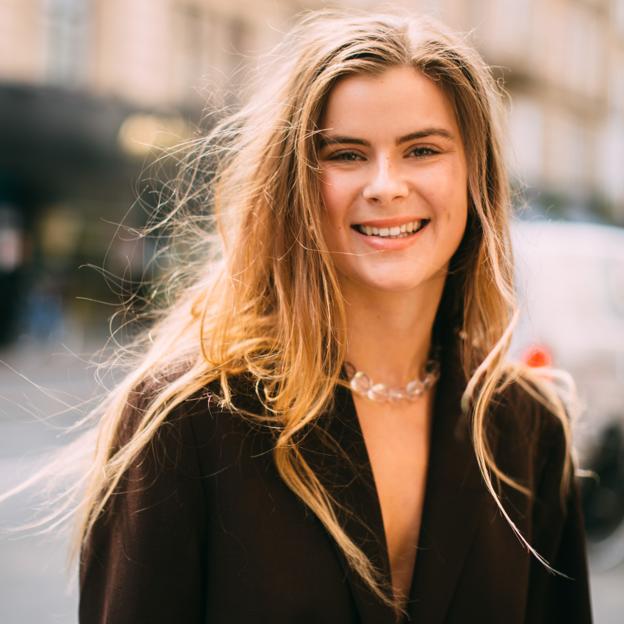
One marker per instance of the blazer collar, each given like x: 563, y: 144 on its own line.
x: 451, y: 507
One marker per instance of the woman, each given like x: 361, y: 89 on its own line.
x: 324, y: 426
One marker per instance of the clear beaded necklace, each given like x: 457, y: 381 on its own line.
x: 363, y: 385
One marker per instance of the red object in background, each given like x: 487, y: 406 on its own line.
x: 537, y: 356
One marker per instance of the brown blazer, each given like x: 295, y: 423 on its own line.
x: 204, y: 530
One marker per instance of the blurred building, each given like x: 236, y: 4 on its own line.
x: 89, y: 87
x: 562, y: 61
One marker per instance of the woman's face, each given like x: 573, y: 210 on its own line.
x: 393, y: 180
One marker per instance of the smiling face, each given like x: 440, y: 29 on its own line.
x: 393, y: 181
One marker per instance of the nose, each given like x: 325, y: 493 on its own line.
x: 385, y: 183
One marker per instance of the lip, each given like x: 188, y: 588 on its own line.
x: 390, y: 244
x: 390, y: 221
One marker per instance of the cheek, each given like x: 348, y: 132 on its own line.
x: 334, y: 194
x: 330, y: 190
x: 451, y: 198
x: 456, y: 217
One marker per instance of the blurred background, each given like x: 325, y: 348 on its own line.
x: 92, y: 90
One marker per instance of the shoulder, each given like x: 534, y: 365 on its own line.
x: 530, y: 408
x: 530, y: 427
x: 180, y: 418
x: 175, y: 397
x: 153, y: 520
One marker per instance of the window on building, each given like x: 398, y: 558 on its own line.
x: 526, y: 146
x: 618, y: 16
x: 585, y: 50
x: 615, y: 84
x: 571, y: 155
x: 66, y: 49
x: 511, y: 25
x: 208, y: 45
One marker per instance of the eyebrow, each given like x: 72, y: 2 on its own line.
x: 419, y: 134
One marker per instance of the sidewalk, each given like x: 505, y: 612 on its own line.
x: 42, y: 391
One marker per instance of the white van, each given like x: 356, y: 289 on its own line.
x: 570, y: 283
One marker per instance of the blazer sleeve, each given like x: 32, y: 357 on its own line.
x: 143, y: 560
x: 558, y: 536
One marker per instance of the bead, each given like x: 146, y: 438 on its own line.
x: 362, y: 384
x: 379, y: 392
x: 414, y: 389
x: 396, y: 395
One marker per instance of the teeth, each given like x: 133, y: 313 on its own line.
x: 397, y: 231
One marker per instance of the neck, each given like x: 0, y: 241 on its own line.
x: 389, y: 334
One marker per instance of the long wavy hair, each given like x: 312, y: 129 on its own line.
x: 265, y: 301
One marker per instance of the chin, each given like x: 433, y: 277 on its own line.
x: 398, y: 287
x: 397, y: 278
x: 392, y: 285
x: 402, y: 281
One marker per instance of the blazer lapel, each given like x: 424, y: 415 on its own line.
x: 346, y: 472
x: 452, y: 499
x: 453, y: 502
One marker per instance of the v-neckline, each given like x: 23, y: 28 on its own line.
x: 452, y: 491
x: 352, y: 411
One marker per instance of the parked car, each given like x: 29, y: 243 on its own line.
x: 570, y: 283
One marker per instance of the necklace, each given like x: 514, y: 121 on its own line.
x: 363, y: 385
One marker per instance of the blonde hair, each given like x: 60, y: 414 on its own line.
x: 267, y: 301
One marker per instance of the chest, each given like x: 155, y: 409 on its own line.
x: 268, y: 558
x: 397, y: 442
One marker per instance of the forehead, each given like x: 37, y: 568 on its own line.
x: 397, y: 101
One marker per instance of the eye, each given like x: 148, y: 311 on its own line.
x: 345, y: 156
x: 421, y: 152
